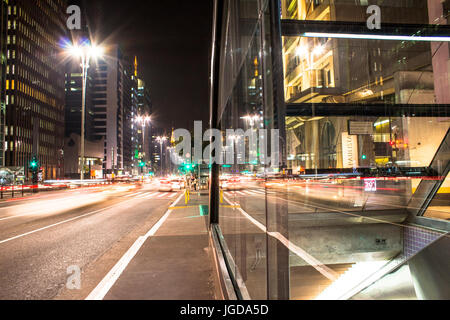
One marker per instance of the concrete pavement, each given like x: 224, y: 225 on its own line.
x: 174, y: 263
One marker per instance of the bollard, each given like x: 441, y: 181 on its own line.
x: 221, y: 196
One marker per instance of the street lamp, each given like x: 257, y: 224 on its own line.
x: 251, y: 120
x: 143, y: 121
x: 161, y: 141
x: 85, y: 53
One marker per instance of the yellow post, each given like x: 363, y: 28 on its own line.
x: 187, y: 196
x: 221, y: 196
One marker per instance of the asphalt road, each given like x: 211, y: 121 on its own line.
x: 42, y: 237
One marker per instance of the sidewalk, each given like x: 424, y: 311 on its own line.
x: 174, y: 263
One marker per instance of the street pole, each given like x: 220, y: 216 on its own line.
x: 161, y: 161
x: 85, y: 67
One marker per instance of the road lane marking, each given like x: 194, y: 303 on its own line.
x: 161, y: 195
x: 113, y: 275
x: 172, y: 195
x: 252, y: 193
x: 62, y: 222
x: 142, y: 196
x: 33, y: 212
x: 259, y: 191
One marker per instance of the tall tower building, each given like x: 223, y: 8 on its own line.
x: 145, y: 109
x: 35, y: 85
x: 114, y: 107
x: 130, y: 106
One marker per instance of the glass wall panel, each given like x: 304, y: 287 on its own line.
x: 326, y: 70
x: 367, y: 127
x: 392, y: 11
x: 364, y: 149
x: 242, y: 192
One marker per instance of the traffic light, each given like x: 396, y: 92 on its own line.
x: 35, y: 169
x: 364, y: 157
x: 141, y: 164
x: 34, y: 164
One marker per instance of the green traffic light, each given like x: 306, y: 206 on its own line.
x: 364, y: 157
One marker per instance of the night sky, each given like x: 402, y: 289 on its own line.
x: 172, y: 41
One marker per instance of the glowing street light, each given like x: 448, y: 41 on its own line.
x: 251, y: 120
x: 85, y: 52
x: 143, y: 121
x: 161, y: 140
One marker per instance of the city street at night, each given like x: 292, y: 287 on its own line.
x: 216, y: 159
x: 44, y: 235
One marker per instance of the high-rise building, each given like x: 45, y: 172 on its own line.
x: 159, y: 148
x: 130, y: 111
x: 115, y: 107
x: 35, y: 85
x: 144, y: 109
x: 3, y: 41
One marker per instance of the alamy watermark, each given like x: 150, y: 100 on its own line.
x: 374, y: 21
x: 74, y: 278
x: 74, y: 20
x: 232, y: 146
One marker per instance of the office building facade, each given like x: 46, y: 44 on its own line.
x: 3, y: 52
x: 115, y: 106
x: 357, y: 206
x: 35, y: 85
x: 130, y: 130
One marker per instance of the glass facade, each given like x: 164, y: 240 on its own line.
x: 358, y: 206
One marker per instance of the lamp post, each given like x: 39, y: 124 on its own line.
x: 85, y: 53
x: 143, y: 121
x: 252, y: 119
x: 170, y: 159
x: 161, y: 141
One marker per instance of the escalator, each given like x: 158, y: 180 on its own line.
x: 428, y: 189
x: 420, y: 271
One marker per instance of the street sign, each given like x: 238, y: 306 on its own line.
x: 370, y: 185
x: 360, y: 127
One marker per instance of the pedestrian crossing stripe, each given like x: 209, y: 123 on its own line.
x: 151, y: 195
x: 146, y: 195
